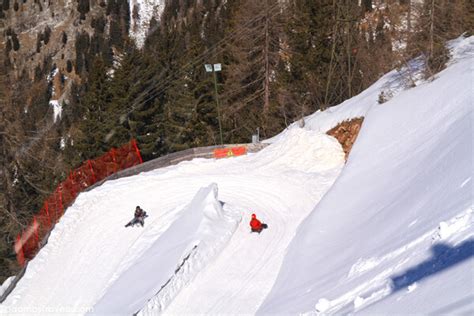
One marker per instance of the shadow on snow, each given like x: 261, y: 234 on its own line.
x: 443, y: 257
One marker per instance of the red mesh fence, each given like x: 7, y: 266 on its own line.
x: 28, y: 242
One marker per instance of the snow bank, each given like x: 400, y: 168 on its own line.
x: 194, y: 238
x: 394, y: 234
x: 316, y: 152
x: 6, y: 284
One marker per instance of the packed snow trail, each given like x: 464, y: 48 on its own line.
x: 90, y: 249
x: 238, y: 280
x: 243, y: 274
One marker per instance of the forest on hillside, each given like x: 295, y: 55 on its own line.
x: 280, y: 61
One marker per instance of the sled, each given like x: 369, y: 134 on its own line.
x: 264, y: 226
x: 136, y: 221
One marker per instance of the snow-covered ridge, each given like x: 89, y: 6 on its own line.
x: 214, y: 232
x: 209, y: 227
x: 394, y: 235
x: 141, y: 13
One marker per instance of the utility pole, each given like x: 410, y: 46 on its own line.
x: 215, y: 68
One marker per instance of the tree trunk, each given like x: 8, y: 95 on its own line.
x: 432, y: 29
x: 409, y: 17
x: 266, y: 83
x: 333, y: 51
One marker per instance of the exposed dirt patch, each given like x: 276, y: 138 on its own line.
x: 346, y: 133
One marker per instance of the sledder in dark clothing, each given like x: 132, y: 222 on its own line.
x: 139, y: 217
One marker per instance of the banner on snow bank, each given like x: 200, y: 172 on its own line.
x: 230, y: 152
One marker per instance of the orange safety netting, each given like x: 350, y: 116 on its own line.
x: 28, y: 242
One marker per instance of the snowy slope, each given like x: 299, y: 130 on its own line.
x: 393, y: 233
x: 90, y: 255
x: 396, y: 229
x: 245, y: 271
x: 208, y: 227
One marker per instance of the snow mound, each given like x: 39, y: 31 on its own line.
x: 199, y: 233
x: 319, y: 153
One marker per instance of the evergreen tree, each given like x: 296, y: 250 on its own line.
x: 178, y: 105
x: 124, y: 87
x: 308, y: 64
x: 187, y: 112
x: 92, y: 140
x: 197, y: 95
x: 138, y: 101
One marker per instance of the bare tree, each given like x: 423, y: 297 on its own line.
x: 252, y: 58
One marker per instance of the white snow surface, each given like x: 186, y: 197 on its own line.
x: 208, y: 227
x: 394, y: 234
x: 90, y: 255
x: 5, y: 285
x: 146, y: 10
x: 389, y: 232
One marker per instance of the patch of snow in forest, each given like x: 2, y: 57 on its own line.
x: 141, y: 13
x: 62, y: 143
x: 57, y: 109
x: 53, y: 73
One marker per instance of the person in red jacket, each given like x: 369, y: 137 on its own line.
x: 256, y: 225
